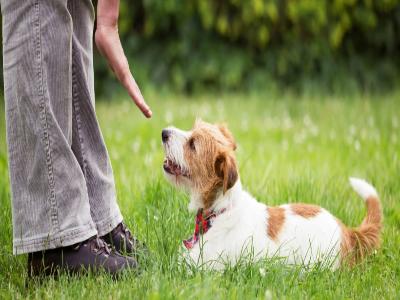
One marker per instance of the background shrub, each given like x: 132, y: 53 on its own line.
x: 259, y: 44
x: 233, y: 44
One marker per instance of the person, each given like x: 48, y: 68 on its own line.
x: 64, y: 204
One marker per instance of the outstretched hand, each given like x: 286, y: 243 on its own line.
x: 109, y: 44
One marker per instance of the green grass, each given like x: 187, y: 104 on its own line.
x: 290, y: 149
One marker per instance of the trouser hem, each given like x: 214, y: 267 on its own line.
x: 63, y: 239
x: 108, y: 224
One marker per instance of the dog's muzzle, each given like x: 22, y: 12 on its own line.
x: 170, y: 166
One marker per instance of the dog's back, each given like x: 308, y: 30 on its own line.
x: 300, y: 234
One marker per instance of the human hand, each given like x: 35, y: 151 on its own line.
x: 109, y: 44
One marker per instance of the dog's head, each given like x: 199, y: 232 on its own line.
x: 201, y: 160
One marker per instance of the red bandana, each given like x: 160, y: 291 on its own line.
x: 203, y: 222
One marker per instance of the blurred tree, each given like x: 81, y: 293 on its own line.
x: 234, y: 44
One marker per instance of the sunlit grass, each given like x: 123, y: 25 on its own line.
x: 289, y: 149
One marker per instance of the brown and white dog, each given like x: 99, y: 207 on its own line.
x: 231, y: 224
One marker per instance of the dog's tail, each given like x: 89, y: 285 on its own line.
x: 359, y: 242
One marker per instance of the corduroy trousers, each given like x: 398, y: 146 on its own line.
x: 62, y: 182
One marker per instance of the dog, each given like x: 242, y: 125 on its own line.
x: 230, y: 224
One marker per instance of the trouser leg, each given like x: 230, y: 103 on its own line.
x: 87, y: 141
x: 49, y: 193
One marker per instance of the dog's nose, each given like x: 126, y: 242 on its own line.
x: 165, y: 135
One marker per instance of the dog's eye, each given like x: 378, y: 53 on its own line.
x: 191, y: 144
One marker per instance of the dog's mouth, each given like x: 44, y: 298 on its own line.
x: 173, y: 168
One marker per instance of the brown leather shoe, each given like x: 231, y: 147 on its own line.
x: 92, y: 254
x: 122, y: 240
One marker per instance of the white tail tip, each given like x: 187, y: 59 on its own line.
x: 363, y: 188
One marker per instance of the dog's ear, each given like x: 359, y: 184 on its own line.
x: 228, y: 135
x: 226, y: 170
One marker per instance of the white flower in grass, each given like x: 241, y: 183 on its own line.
x: 135, y: 146
x: 268, y: 295
x: 307, y: 121
x: 352, y: 130
x: 169, y: 117
x: 287, y: 123
x: 262, y: 272
x: 357, y: 145
x: 314, y: 130
x: 301, y: 137
x: 148, y: 159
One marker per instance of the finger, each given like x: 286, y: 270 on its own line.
x: 125, y: 76
x: 135, y: 93
x: 120, y: 67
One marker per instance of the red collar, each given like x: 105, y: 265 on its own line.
x: 203, y: 222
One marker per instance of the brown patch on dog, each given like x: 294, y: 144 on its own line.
x: 225, y: 168
x: 276, y: 219
x: 346, y: 244
x: 374, y: 212
x: 357, y: 243
x: 305, y: 210
x: 209, y: 153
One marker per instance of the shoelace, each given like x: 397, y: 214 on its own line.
x: 126, y: 232
x: 96, y: 245
x: 99, y: 246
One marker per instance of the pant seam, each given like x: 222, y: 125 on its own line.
x: 43, y: 117
x: 77, y: 116
x: 75, y: 235
x: 77, y: 107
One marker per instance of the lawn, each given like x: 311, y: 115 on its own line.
x: 290, y: 149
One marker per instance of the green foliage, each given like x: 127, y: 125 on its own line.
x: 233, y: 44
x: 290, y: 148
